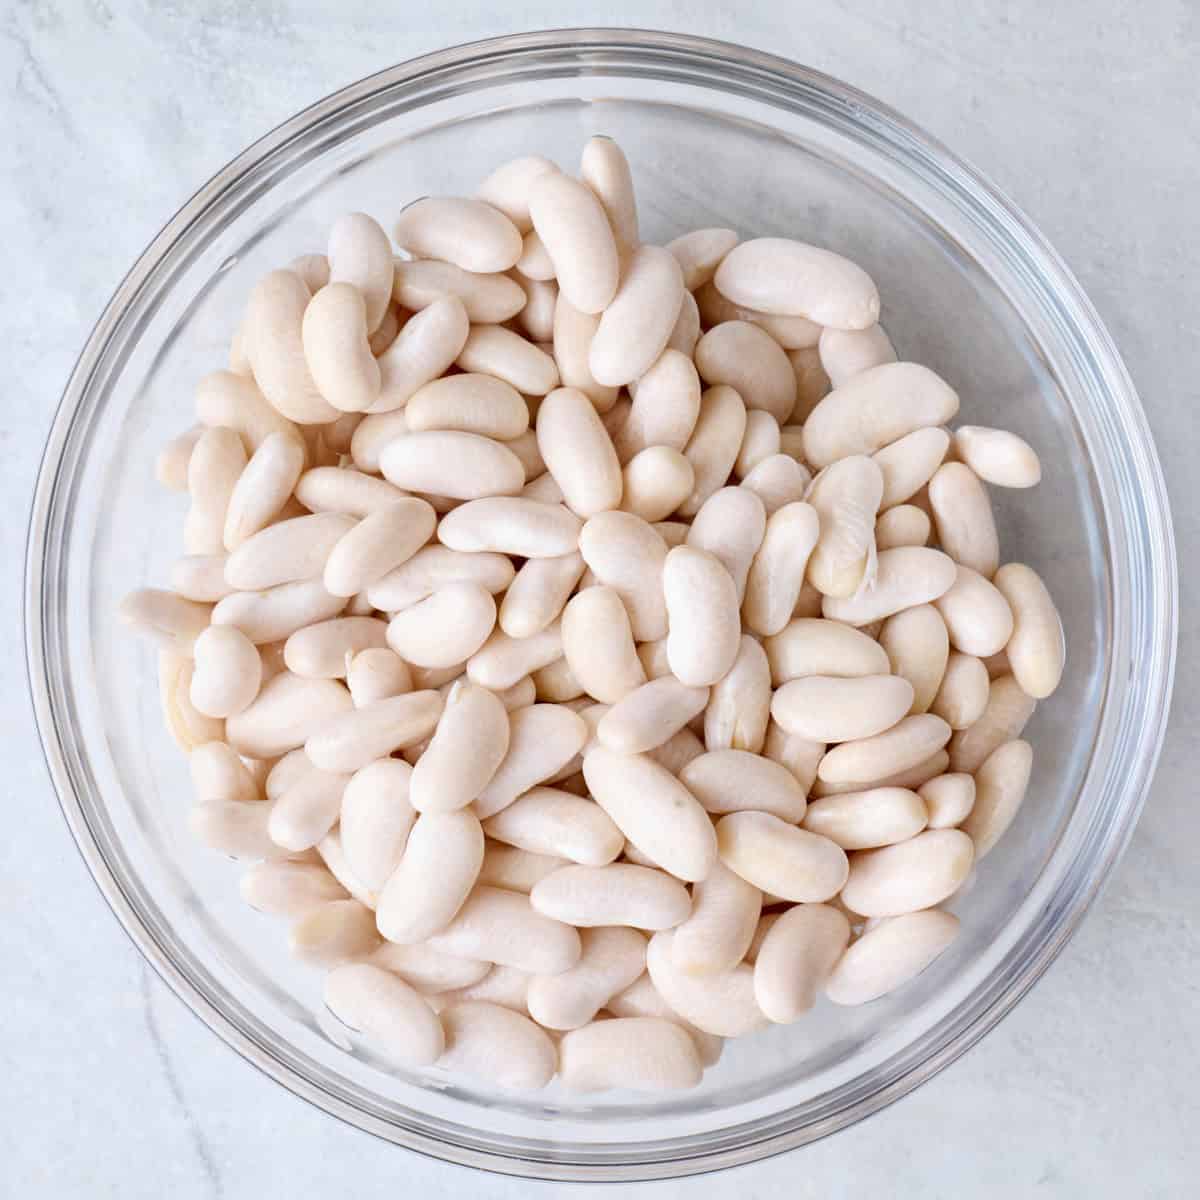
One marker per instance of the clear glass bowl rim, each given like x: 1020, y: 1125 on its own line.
x: 1145, y: 601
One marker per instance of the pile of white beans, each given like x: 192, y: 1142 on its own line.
x: 559, y: 634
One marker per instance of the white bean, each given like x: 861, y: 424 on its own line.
x: 658, y: 1056
x: 355, y: 738
x: 289, y: 889
x: 948, y: 799
x: 801, y: 756
x: 375, y: 1002
x: 616, y: 894
x: 911, y: 875
x: 963, y: 694
x: 713, y: 446
x: 333, y: 934
x: 511, y: 525
x: 739, y: 703
x: 904, y: 577
x: 1008, y: 711
x: 888, y: 955
x: 627, y: 555
x: 909, y: 463
x: 573, y: 332
x: 489, y: 1042
x: 445, y: 628
x: 459, y: 230
x: 285, y: 713
x: 978, y: 618
x: 231, y: 401
x: 826, y: 708
x: 814, y: 646
x: 1000, y: 786
x: 334, y: 334
x: 429, y: 342
x: 503, y: 661
x: 796, y: 958
x: 918, y: 649
x: 173, y: 622
x: 286, y: 552
x: 730, y: 525
x: 488, y: 298
x: 376, y: 818
x: 276, y: 613
x: 575, y: 230
x: 217, y: 462
x: 445, y: 462
x: 307, y: 810
x: 699, y: 253
x: 469, y: 403
x: 665, y: 409
x: 1036, y: 650
x: 721, y: 1002
x: 778, y: 858
x: 578, y: 452
x: 997, y: 456
x: 650, y: 715
x: 864, y: 820
x: 848, y: 352
x: 723, y: 918
x: 263, y: 487
x: 360, y: 254
x: 598, y: 645
x: 966, y: 528
x: 604, y: 168
x: 227, y: 674
x: 749, y: 360
x: 322, y: 650
x: 904, y: 525
x: 846, y: 497
x: 433, y: 567
x: 778, y: 480
x: 702, y: 614
x: 726, y: 781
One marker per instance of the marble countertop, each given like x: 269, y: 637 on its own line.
x: 116, y: 110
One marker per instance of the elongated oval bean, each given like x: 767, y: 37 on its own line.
x: 573, y: 332
x: 598, y: 645
x: 289, y: 889
x: 511, y: 525
x: 374, y: 1001
x: 700, y: 252
x: 726, y: 781
x: 848, y: 352
x: 1008, y: 711
x: 1036, y: 650
x: 713, y: 446
x: 543, y: 738
x: 459, y: 230
x: 864, y: 820
x: 219, y: 774
x: 650, y: 715
x: 506, y: 356
x: 723, y: 918
x: 642, y: 999
x: 217, y: 462
x: 777, y: 481
x: 796, y: 958
x: 537, y: 595
x: 814, y: 646
x: 903, y: 525
x: 904, y: 577
x: 379, y: 543
x: 507, y: 187
x: 445, y: 628
x: 761, y: 440
x: 556, y: 683
x: 429, y: 342
x: 306, y: 811
x: 503, y: 661
x: 611, y: 959
x: 800, y: 756
x: 488, y: 298
x: 617, y: 894
x: 1000, y: 786
x: 918, y: 648
x: 778, y: 858
x: 702, y: 614
x: 552, y: 822
x: 675, y: 753
x: 720, y: 1002
x: 353, y: 739
x: 739, y: 703
x: 890, y: 954
x: 904, y: 745
x: 171, y: 465
x: 911, y: 875
x: 322, y: 650
x: 463, y: 466
x: 578, y: 452
x: 263, y: 487
x: 173, y: 622
x: 231, y: 401
x: 376, y: 819
x: 227, y: 673
x: 334, y: 333
x: 335, y: 933
x: 826, y: 708
x: 730, y: 525
x: 628, y: 555
x: 792, y: 333
x: 910, y: 777
x: 963, y: 694
x: 514, y: 869
x: 575, y: 230
x: 846, y: 497
x: 285, y: 713
x: 502, y: 1047
x: 948, y: 800
x: 659, y: 1053
x: 431, y: 568
x: 655, y: 482
x: 962, y: 512
x: 978, y: 618
x: 360, y: 254
x: 428, y: 970
x: 997, y: 456
x: 909, y: 463
x: 276, y: 613
x: 286, y: 552
x: 469, y: 403
x: 665, y: 409
x: 749, y: 360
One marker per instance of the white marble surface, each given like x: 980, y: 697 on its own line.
x: 114, y: 111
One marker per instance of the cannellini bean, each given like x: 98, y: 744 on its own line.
x: 374, y: 432
x: 503, y: 661
x: 429, y: 342
x: 552, y: 822
x: 521, y: 695
x: 726, y: 781
x: 506, y: 356
x: 469, y: 403
x: 286, y: 552
x: 170, y: 467
x: 379, y: 543
x: 911, y: 875
x: 447, y: 462
x: 234, y: 827
x: 749, y: 360
x: 526, y: 449
x: 285, y: 713
x: 617, y: 894
x: 374, y: 1001
x: 573, y: 332
x: 173, y: 622
x: 814, y: 646
x: 333, y: 934
x: 700, y: 252
x: 289, y: 889
x: 904, y: 577
x: 433, y: 567
x: 702, y: 613
x: 800, y: 756
x: 538, y: 593
x: 543, y: 489
x: 948, y: 800
x: 514, y: 869
x: 263, y: 487
x: 1036, y: 651
x: 720, y: 1002
x: 329, y: 849
x: 577, y: 235
x: 723, y: 918
x: 636, y: 325
x: 642, y: 999
x: 360, y: 254
x: 427, y: 970
x: 507, y: 187
x: 219, y: 774
x: 739, y: 703
x: 537, y: 317
x: 909, y: 463
x: 963, y: 694
x: 598, y: 645
x: 777, y: 481
x: 543, y: 738
x: 977, y: 616
x: 436, y: 873
x: 863, y: 820
x: 488, y: 298
x: 376, y: 818
x: 489, y: 1042
x: 848, y: 352
x: 226, y: 400
x: 890, y: 954
x: 217, y: 462
x: 1008, y: 711
x: 1000, y: 786
x: 825, y: 708
x: 761, y: 440
x: 778, y: 275
x: 874, y: 408
x: 730, y: 525
x: 627, y: 555
x: 653, y: 810
x: 557, y: 683
x: 665, y: 409
x: 578, y: 452
x: 918, y: 648
x: 675, y: 753
x: 797, y: 956
x: 227, y: 672
x: 792, y: 333
x: 904, y: 525
x: 660, y: 1056
x: 334, y: 333
x: 650, y: 715
x: 904, y: 745
x: 353, y: 739
x: 276, y: 613
x: 511, y: 525
x: 655, y: 482
x: 611, y: 959
x: 910, y: 777
x: 307, y: 810
x: 778, y: 858
x: 997, y: 456
x: 503, y: 927
x: 714, y: 443
x: 846, y: 497
x: 445, y: 628
x: 965, y: 526
x: 604, y: 168
x: 322, y: 650
x: 459, y: 230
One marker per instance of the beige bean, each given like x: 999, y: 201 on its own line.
x: 796, y: 959
x: 675, y: 753
x: 503, y: 661
x: 705, y: 631
x: 275, y: 614
x: 226, y: 400
x: 720, y: 1003
x: 904, y: 745
x: 962, y: 512
x: 556, y: 683
x: 322, y: 650
x: 374, y: 432
x: 342, y: 490
x: 577, y: 235
x: 800, y: 756
x: 286, y: 552
x: 521, y: 695
x: 963, y: 694
x: 289, y: 889
x: 262, y: 488
x: 285, y: 713
x: 334, y: 333
x: 303, y: 813
x: 525, y: 447
x: 538, y: 593
x: 948, y: 800
x: 335, y: 933
x: 434, y: 877
x: 890, y: 954
x: 778, y: 275
x: 598, y: 645
x: 616, y: 894
x: 552, y: 822
x: 730, y: 526
x: 227, y: 672
x: 427, y: 970
x: 997, y: 456
x: 660, y: 1054
x: 666, y: 408
x: 914, y: 874
x: 573, y: 332
x: 874, y: 408
x: 1036, y: 650
x: 739, y: 703
x: 604, y: 168
x: 700, y: 252
x: 499, y: 353
x: 234, y: 827
x: 642, y: 999
x: 374, y: 1001
x: 778, y: 858
x: 427, y: 345
x: 726, y: 781
x: 219, y: 774
x: 354, y: 738
x: 379, y: 543
x: 329, y: 849
x: 611, y: 959
x: 723, y: 918
x: 846, y: 497
x: 1000, y: 785
x: 909, y: 463
x: 173, y: 622
x: 171, y: 465
x: 744, y: 357
x: 760, y: 441
x: 904, y: 525
x: 904, y: 577
x: 488, y: 298
x: 445, y: 628
x: 777, y: 481
x: 217, y: 461
x: 543, y: 489
x: 628, y: 555
x: 792, y: 333
x: 432, y: 568
x: 826, y: 708
x: 635, y: 328
x: 976, y: 613
x: 360, y: 254
x: 185, y: 723
x: 918, y: 648
x: 578, y: 452
x: 459, y: 230
x: 502, y: 1047
x: 814, y: 646
x: 469, y: 403
x: 650, y: 715
x: 655, y: 482
x: 653, y: 810
x: 514, y: 869
x: 910, y: 777
x: 376, y: 818
x: 511, y: 525
x: 863, y: 820
x: 714, y: 443
x: 543, y: 739
x: 463, y: 466
x: 848, y: 352
x: 507, y: 187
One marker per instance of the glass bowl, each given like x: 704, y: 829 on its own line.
x: 717, y: 135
